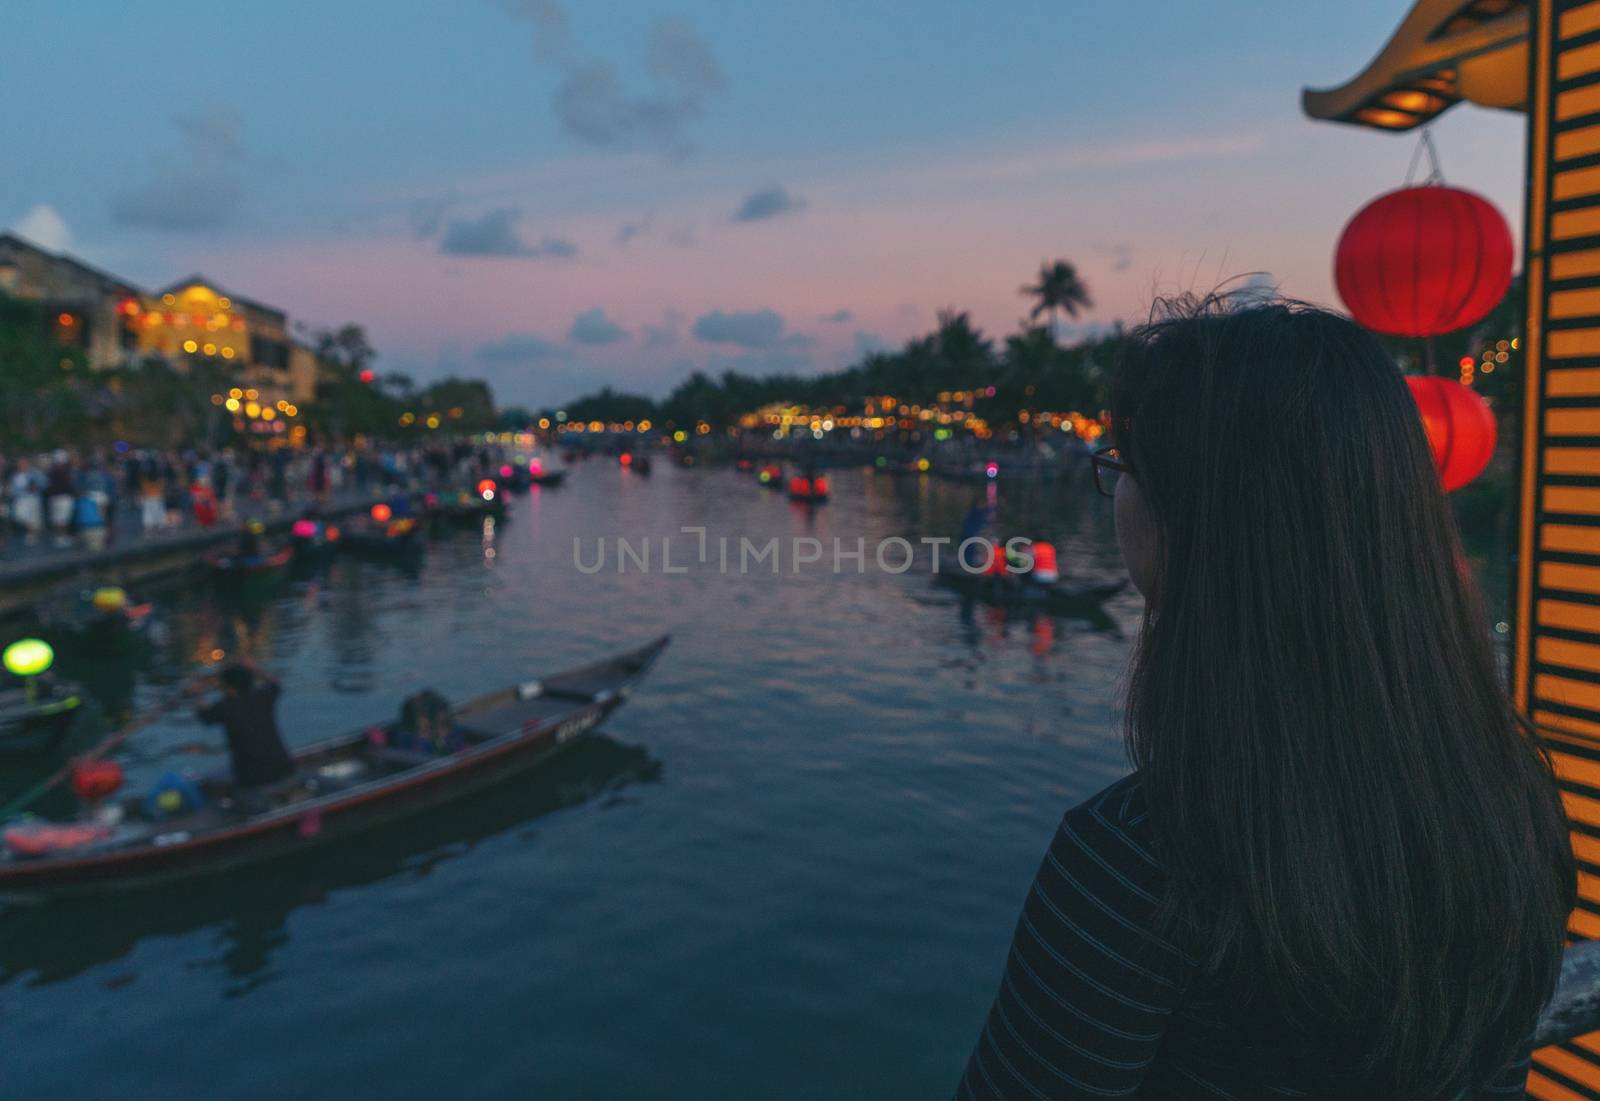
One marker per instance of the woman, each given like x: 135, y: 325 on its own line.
x: 1340, y: 868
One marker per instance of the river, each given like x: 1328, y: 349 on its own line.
x: 788, y: 868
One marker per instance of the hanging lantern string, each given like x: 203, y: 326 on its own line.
x: 1425, y: 143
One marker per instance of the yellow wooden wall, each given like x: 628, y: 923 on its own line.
x: 1556, y: 655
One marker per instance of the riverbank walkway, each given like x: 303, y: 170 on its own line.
x: 134, y: 554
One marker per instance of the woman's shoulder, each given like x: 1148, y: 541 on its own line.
x: 1108, y: 836
x: 1117, y: 813
x: 1100, y: 883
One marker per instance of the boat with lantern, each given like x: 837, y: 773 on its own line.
x: 383, y: 533
x: 36, y: 710
x: 539, y: 476
x: 811, y: 490
x: 102, y: 621
x: 468, y: 506
x: 770, y: 475
x: 311, y: 543
x: 233, y: 567
x: 342, y: 786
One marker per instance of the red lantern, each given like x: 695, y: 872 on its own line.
x: 92, y: 781
x: 1423, y: 260
x: 1460, y: 426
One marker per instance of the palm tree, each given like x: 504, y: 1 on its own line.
x: 1058, y: 288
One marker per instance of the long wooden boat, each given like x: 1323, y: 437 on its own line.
x: 233, y: 567
x: 1063, y: 596
x: 549, y: 478
x: 382, y: 541
x: 341, y: 787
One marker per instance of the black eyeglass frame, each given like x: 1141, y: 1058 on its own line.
x: 1106, y: 459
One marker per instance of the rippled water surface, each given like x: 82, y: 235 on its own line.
x: 788, y: 868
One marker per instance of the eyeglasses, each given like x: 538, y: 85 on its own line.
x: 1108, y: 468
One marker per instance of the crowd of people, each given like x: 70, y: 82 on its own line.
x: 91, y: 499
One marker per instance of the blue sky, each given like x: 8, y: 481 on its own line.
x: 559, y: 196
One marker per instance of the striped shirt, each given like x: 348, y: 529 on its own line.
x: 1094, y: 1004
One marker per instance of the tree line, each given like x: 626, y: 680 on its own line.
x: 1029, y: 369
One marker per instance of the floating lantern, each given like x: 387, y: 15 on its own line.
x: 486, y: 487
x: 626, y: 459
x: 28, y: 657
x: 381, y: 513
x: 1460, y: 426
x: 304, y: 529
x: 505, y: 471
x: 1422, y: 261
x: 331, y: 535
x: 992, y: 470
x: 536, y: 468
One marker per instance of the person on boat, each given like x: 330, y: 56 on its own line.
x: 979, y: 516
x: 999, y: 567
x: 1044, y: 570
x: 427, y: 725
x: 1340, y: 868
x: 247, y: 713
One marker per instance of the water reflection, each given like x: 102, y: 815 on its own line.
x: 56, y: 941
x: 983, y: 623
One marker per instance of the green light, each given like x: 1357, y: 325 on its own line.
x: 28, y: 657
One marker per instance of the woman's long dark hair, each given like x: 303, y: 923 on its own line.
x: 1355, y: 822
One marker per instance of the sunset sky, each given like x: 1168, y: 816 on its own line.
x: 559, y: 196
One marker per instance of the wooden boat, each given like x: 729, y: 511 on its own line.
x: 36, y: 722
x: 311, y: 548
x: 808, y: 491
x: 515, y: 478
x: 90, y: 622
x: 549, y: 478
x: 341, y: 787
x: 397, y: 538
x: 1063, y: 596
x: 469, y: 508
x: 232, y: 567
